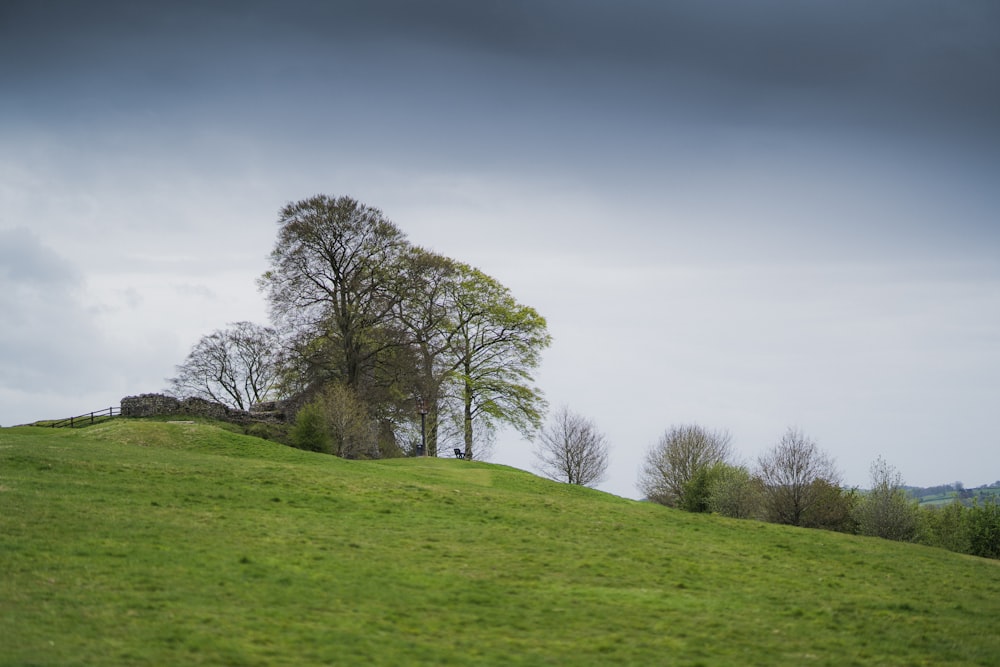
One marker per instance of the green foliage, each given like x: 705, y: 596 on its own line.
x: 142, y: 543
x: 698, y: 491
x: 982, y: 522
x: 971, y: 530
x: 887, y: 510
x: 945, y: 527
x: 888, y: 513
x: 359, y: 306
x: 311, y: 431
x: 830, y: 507
x: 735, y: 493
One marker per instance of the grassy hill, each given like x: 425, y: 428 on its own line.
x: 150, y: 543
x: 941, y: 496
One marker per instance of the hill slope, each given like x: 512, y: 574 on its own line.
x: 144, y: 543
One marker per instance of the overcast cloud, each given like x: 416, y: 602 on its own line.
x: 748, y: 215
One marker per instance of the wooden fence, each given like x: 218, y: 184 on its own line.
x: 87, y: 419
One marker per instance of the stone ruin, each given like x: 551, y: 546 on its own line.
x: 160, y: 405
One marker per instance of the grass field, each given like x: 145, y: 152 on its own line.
x: 150, y: 543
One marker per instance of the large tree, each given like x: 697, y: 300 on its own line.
x: 570, y: 449
x: 398, y: 325
x: 796, y: 476
x: 425, y: 283
x: 494, y: 346
x: 236, y: 366
x: 681, y: 454
x: 329, y: 286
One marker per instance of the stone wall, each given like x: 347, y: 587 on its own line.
x: 158, y: 405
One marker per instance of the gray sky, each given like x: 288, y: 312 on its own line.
x: 746, y: 215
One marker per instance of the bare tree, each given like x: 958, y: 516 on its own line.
x: 680, y: 454
x: 353, y: 434
x: 570, y: 449
x: 790, y: 472
x: 886, y: 510
x: 237, y: 366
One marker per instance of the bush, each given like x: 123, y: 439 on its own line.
x: 982, y: 524
x: 310, y: 431
x: 945, y: 527
x: 830, y: 508
x: 697, y: 491
x: 735, y: 493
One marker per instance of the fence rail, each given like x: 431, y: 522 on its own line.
x: 87, y: 419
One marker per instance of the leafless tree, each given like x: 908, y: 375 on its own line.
x: 790, y: 472
x: 236, y: 366
x: 571, y: 449
x: 677, y: 457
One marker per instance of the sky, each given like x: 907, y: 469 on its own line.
x: 748, y: 216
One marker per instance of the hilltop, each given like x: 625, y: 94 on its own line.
x: 136, y: 542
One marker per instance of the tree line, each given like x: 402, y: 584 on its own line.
x: 797, y: 483
x: 379, y: 344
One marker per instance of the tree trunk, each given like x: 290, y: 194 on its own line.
x: 468, y: 420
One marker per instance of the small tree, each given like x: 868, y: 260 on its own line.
x: 789, y: 472
x: 570, y: 449
x: 310, y: 430
x: 676, y: 458
x: 353, y: 434
x: 886, y: 510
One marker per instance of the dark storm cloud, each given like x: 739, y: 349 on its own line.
x: 915, y: 58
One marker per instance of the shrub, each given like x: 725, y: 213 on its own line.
x: 735, y: 493
x: 982, y: 524
x: 310, y: 431
x: 697, y: 491
x: 830, y: 507
x: 944, y: 527
x: 887, y: 511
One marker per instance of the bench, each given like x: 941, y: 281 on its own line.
x: 459, y: 454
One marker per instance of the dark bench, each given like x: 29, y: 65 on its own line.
x: 459, y: 454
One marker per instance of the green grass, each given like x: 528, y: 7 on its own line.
x: 151, y: 543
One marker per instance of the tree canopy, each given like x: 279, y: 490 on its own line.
x: 357, y: 305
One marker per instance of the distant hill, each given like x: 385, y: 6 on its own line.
x: 150, y: 543
x: 948, y: 493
